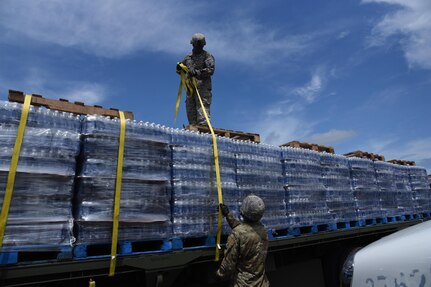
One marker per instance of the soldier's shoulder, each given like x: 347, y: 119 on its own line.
x: 208, y: 54
x: 241, y: 229
x: 262, y: 231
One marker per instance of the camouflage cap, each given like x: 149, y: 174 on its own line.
x: 198, y: 37
x: 252, y: 208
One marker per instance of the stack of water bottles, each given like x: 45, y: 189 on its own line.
x: 404, y: 190
x: 41, y: 208
x: 339, y: 193
x: 365, y: 188
x: 259, y: 172
x: 421, y: 189
x: 145, y: 197
x: 385, y: 176
x: 305, y: 191
x: 194, y: 185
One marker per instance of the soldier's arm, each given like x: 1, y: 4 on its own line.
x: 232, y: 221
x: 228, y: 265
x: 209, y: 67
x: 178, y: 69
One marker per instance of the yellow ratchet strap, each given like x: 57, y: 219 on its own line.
x: 13, y: 166
x: 217, y: 168
x: 117, y: 195
x: 189, y: 85
x: 183, y: 83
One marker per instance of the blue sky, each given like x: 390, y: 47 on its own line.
x: 349, y: 73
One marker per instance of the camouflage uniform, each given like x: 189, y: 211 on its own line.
x: 245, y: 254
x: 204, y: 64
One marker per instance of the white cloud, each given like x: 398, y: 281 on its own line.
x: 343, y: 35
x: 285, y: 120
x: 413, y: 21
x: 288, y: 125
x: 40, y: 82
x: 88, y: 93
x: 331, y: 137
x: 113, y: 28
x: 282, y: 122
x: 381, y: 145
x: 311, y: 90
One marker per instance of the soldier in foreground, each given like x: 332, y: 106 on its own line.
x: 201, y: 66
x: 247, y: 246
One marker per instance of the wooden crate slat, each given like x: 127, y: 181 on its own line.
x: 310, y: 146
x: 66, y: 106
x: 226, y: 133
x: 364, y: 154
x: 402, y: 162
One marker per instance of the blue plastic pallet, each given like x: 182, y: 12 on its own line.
x: 367, y: 222
x: 188, y: 243
x: 99, y: 250
x: 34, y: 254
x: 408, y: 217
x: 311, y: 229
x: 278, y: 233
x: 348, y: 224
x: 393, y: 219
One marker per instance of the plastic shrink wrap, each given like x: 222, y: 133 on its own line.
x: 305, y: 192
x: 40, y: 212
x: 194, y: 185
x: 260, y: 172
x: 339, y: 193
x: 365, y: 188
x: 420, y: 188
x: 403, y: 187
x: 385, y: 176
x: 145, y: 196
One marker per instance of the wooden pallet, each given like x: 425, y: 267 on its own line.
x: 363, y: 154
x: 226, y: 133
x: 66, y: 106
x: 402, y: 162
x: 311, y: 146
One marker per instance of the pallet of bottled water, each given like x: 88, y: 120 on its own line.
x: 365, y: 188
x: 385, y: 177
x: 194, y: 185
x: 339, y: 195
x: 259, y: 172
x: 305, y: 191
x: 420, y: 189
x: 145, y: 210
x: 40, y: 212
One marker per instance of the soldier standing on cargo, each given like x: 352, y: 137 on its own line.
x: 201, y: 66
x: 247, y: 245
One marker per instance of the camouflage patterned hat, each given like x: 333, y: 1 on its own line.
x: 198, y: 37
x: 252, y: 208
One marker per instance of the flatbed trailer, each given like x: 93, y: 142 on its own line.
x: 304, y: 260
x: 312, y: 258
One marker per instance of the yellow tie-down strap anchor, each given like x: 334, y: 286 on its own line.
x: 184, y: 83
x: 117, y: 196
x: 13, y: 166
x: 190, y: 85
